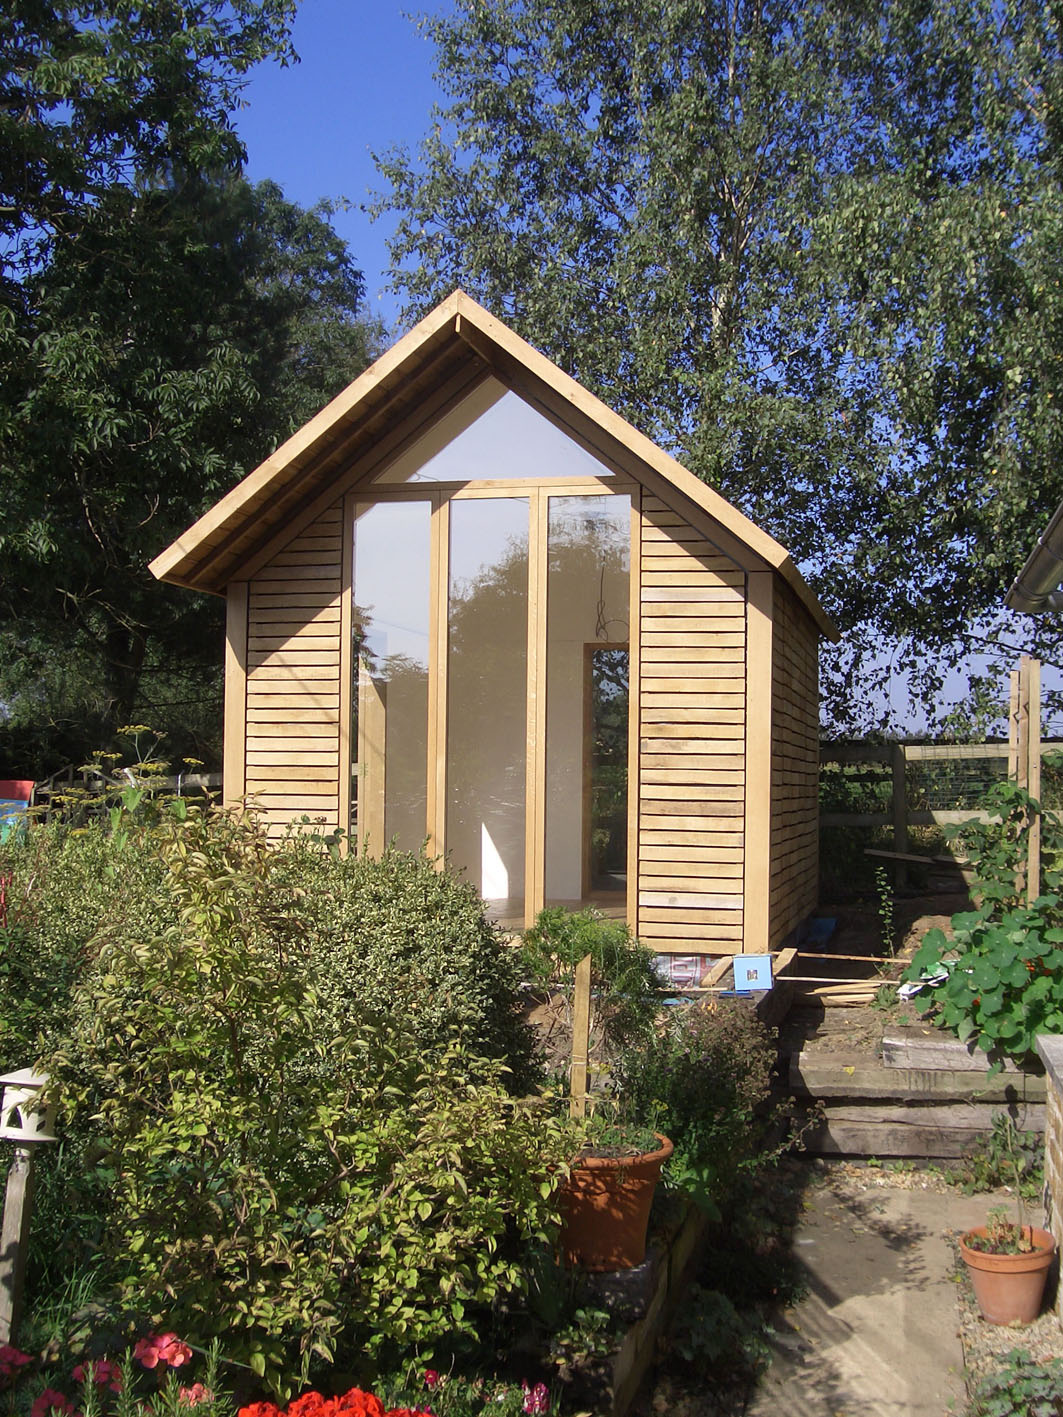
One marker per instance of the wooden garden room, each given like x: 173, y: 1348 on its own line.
x: 469, y: 606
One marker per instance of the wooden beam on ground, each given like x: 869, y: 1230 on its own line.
x: 929, y: 1048
x: 854, y: 1075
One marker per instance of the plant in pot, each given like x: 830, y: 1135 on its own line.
x: 607, y: 1196
x: 1008, y: 1263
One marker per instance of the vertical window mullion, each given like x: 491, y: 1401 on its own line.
x: 437, y: 675
x: 535, y: 873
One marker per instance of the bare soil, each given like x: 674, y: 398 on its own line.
x: 859, y: 931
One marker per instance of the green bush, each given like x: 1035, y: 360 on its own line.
x: 402, y: 937
x: 625, y: 982
x: 274, y: 1174
x: 63, y: 888
x: 703, y: 1079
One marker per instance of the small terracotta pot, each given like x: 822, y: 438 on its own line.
x: 605, y: 1208
x: 1009, y: 1288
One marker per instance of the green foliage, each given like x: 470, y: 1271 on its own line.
x: 886, y: 909
x: 64, y: 887
x: 1004, y: 1156
x: 268, y: 1176
x: 624, y: 978
x: 1022, y: 1387
x: 709, y: 1331
x: 1004, y: 962
x: 1003, y: 1236
x: 163, y: 325
x: 703, y: 1080
x: 399, y: 936
x: 810, y: 248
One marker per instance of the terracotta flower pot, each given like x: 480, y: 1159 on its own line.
x: 1009, y: 1287
x: 605, y: 1208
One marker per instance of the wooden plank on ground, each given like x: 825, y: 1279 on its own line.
x: 854, y: 1075
x: 929, y: 1048
x: 909, y: 1131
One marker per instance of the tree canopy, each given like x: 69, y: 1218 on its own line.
x: 163, y: 325
x: 810, y: 248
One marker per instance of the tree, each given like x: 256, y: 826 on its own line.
x: 807, y: 247
x: 182, y: 333
x: 163, y: 324
x: 95, y: 92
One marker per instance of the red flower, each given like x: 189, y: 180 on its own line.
x: 357, y: 1403
x: 11, y: 1359
x: 194, y: 1395
x: 104, y: 1374
x: 260, y: 1409
x: 310, y: 1404
x: 51, y: 1401
x: 162, y: 1348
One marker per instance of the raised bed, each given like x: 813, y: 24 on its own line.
x: 644, y: 1299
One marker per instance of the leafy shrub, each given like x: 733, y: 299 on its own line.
x: 62, y: 887
x: 703, y: 1079
x: 624, y: 978
x: 1003, y: 967
x: 400, y: 936
x: 268, y: 1175
x: 1023, y: 1387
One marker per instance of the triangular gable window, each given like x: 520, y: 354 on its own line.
x: 493, y: 435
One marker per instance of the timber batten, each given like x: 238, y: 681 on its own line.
x: 705, y: 617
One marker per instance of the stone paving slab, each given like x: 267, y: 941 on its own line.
x: 878, y: 1332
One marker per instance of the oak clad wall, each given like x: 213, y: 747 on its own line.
x: 692, y: 709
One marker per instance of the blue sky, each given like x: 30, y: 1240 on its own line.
x: 364, y: 83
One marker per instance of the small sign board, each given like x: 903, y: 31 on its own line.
x: 752, y: 972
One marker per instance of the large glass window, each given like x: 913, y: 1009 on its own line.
x: 487, y: 688
x: 588, y: 608
x: 493, y: 726
x: 390, y: 618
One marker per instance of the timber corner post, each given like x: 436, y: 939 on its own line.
x: 27, y: 1120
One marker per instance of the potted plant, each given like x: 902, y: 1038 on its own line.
x: 606, y: 1198
x: 1008, y: 1263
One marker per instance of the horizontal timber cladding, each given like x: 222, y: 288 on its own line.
x: 795, y: 765
x: 294, y: 654
x: 692, y: 725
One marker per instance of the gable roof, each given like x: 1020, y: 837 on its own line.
x: 430, y: 369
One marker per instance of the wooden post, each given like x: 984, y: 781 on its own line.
x: 1013, y: 726
x: 581, y: 1038
x: 14, y: 1241
x: 1024, y: 759
x: 1033, y: 776
x: 900, y: 812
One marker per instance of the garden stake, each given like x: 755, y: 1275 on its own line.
x: 581, y: 1038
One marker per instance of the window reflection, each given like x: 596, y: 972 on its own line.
x: 390, y: 621
x: 487, y: 698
